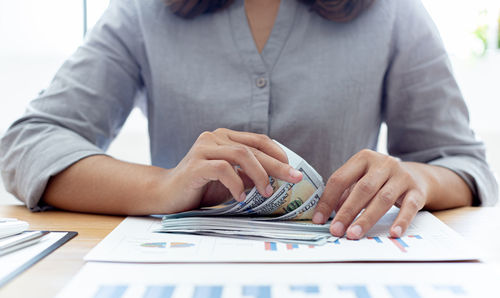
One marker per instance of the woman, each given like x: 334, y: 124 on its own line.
x: 221, y: 78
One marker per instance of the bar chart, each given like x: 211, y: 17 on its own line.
x: 402, y: 244
x: 353, y: 280
x: 269, y: 291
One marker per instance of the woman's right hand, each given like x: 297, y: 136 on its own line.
x: 222, y: 164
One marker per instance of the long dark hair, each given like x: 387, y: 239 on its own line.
x: 333, y: 10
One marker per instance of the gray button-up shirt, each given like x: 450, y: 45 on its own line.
x: 319, y: 87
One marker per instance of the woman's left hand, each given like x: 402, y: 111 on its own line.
x: 375, y: 182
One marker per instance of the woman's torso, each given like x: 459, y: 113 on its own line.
x: 316, y: 87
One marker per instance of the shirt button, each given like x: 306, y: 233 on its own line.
x: 261, y: 82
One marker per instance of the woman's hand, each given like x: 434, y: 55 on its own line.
x: 375, y: 182
x: 208, y: 174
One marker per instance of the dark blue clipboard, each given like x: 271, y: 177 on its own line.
x: 69, y: 235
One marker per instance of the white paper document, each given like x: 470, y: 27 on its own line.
x: 15, y: 262
x: 427, y: 239
x: 451, y: 280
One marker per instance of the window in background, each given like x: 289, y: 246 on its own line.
x: 470, y: 31
x: 36, y: 36
x: 94, y: 10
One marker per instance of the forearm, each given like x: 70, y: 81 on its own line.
x: 101, y: 184
x: 445, y: 188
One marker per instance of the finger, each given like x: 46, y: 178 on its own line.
x: 276, y: 168
x: 412, y: 203
x: 221, y: 170
x: 244, y: 157
x: 215, y: 194
x: 247, y: 181
x: 377, y: 207
x: 344, y: 197
x: 259, y: 141
x: 364, y: 191
x: 336, y: 185
x: 206, y: 137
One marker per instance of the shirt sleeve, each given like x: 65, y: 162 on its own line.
x: 80, y: 112
x: 425, y: 112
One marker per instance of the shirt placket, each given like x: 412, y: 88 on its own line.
x: 259, y: 67
x: 261, y: 97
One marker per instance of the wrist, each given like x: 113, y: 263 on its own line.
x: 424, y: 178
x: 158, y: 186
x: 442, y: 187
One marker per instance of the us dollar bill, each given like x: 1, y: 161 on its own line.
x: 291, y: 196
x: 284, y: 187
x: 253, y: 199
x: 288, y: 201
x: 306, y: 210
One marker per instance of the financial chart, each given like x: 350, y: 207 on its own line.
x: 114, y: 280
x: 427, y: 239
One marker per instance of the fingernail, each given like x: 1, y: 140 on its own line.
x: 397, y: 231
x: 269, y: 190
x: 338, y: 229
x: 243, y: 196
x: 294, y: 173
x: 356, y: 230
x: 318, y: 218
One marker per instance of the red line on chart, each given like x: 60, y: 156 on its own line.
x: 415, y: 236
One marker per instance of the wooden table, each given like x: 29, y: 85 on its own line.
x: 47, y: 277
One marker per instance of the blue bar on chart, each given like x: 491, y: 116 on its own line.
x: 399, y: 243
x: 257, y: 291
x: 457, y: 290
x: 207, y: 292
x: 358, y: 291
x: 110, y: 291
x: 270, y: 246
x: 403, y: 291
x: 154, y: 244
x: 377, y: 239
x: 305, y: 289
x: 159, y: 291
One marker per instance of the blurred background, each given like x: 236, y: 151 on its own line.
x: 37, y: 36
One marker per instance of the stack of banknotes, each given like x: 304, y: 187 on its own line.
x: 285, y: 216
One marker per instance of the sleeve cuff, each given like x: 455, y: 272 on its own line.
x: 476, y: 174
x: 39, y: 182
